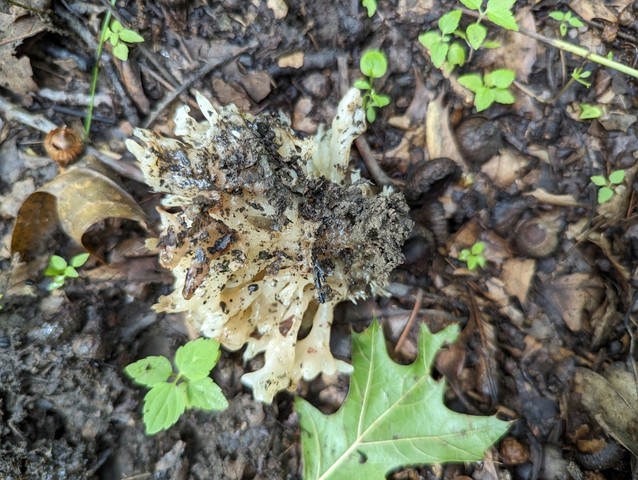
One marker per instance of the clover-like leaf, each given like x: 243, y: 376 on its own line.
x: 150, y: 371
x: 617, y: 177
x: 394, y: 415
x: 472, y: 4
x: 362, y: 84
x: 476, y: 34
x: 472, y: 82
x: 500, y: 13
x: 163, y: 405
x: 373, y: 64
x: 605, y: 194
x: 70, y: 272
x: 205, y: 395
x: 79, y: 259
x: 484, y: 98
x: 504, y: 96
x: 56, y: 265
x: 121, y: 51
x: 197, y: 358
x: 450, y: 21
x: 500, y: 78
x: 131, y: 36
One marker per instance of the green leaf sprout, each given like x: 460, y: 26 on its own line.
x: 118, y: 37
x: 493, y: 87
x: 373, y: 64
x: 370, y: 6
x: 607, y: 186
x: 590, y: 112
x: 565, y: 19
x: 473, y: 256
x: 59, y: 269
x: 172, y: 393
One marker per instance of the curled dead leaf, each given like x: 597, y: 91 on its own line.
x: 77, y: 199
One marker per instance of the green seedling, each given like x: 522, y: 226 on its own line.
x: 473, y: 256
x: 607, y: 186
x: 370, y: 6
x: 493, y: 87
x: 117, y: 36
x: 59, y: 269
x: 566, y: 19
x: 171, y: 393
x: 394, y: 415
x: 373, y: 64
x: 579, y: 75
x: 446, y: 53
x: 589, y: 112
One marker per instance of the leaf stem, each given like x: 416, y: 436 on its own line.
x: 571, y: 48
x: 95, y: 73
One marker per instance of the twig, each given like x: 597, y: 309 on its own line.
x: 569, y: 47
x: 413, y: 315
x: 375, y: 170
x: 34, y: 120
x: 203, y: 71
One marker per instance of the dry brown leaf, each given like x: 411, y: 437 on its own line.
x: 612, y: 400
x: 293, y: 60
x: 517, y: 51
x: 517, y: 275
x: 227, y: 94
x: 575, y: 297
x: 497, y: 294
x: 78, y: 198
x: 15, y: 73
x: 591, y: 9
x: 439, y: 137
x: 505, y: 168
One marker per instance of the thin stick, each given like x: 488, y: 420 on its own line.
x: 413, y: 315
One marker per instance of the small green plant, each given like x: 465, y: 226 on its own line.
x: 589, y: 112
x: 118, y: 37
x: 373, y: 64
x: 579, y: 75
x: 566, y: 19
x: 607, y: 186
x: 370, y: 6
x: 447, y: 54
x: 473, y: 256
x: 59, y: 269
x: 173, y: 392
x: 493, y: 87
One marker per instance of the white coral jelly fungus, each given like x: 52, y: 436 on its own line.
x: 266, y: 232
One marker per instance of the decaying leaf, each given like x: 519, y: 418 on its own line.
x: 612, y: 400
x: 394, y: 415
x: 77, y: 199
x: 517, y: 275
x: 438, y: 134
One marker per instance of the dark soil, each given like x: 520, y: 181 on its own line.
x: 66, y: 409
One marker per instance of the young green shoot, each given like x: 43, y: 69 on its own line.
x: 473, y: 256
x: 373, y: 64
x: 607, y: 186
x: 118, y: 36
x: 579, y: 75
x: 590, y: 112
x: 443, y: 52
x: 493, y: 87
x: 370, y: 6
x: 566, y: 19
x: 59, y: 269
x: 171, y: 393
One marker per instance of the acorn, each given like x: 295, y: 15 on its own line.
x: 538, y: 237
x: 478, y: 139
x: 63, y: 145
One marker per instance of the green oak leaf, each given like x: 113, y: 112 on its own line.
x: 196, y: 359
x: 394, y: 415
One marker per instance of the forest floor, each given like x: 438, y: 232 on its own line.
x: 547, y: 330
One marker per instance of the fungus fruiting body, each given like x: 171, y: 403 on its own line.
x: 266, y: 232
